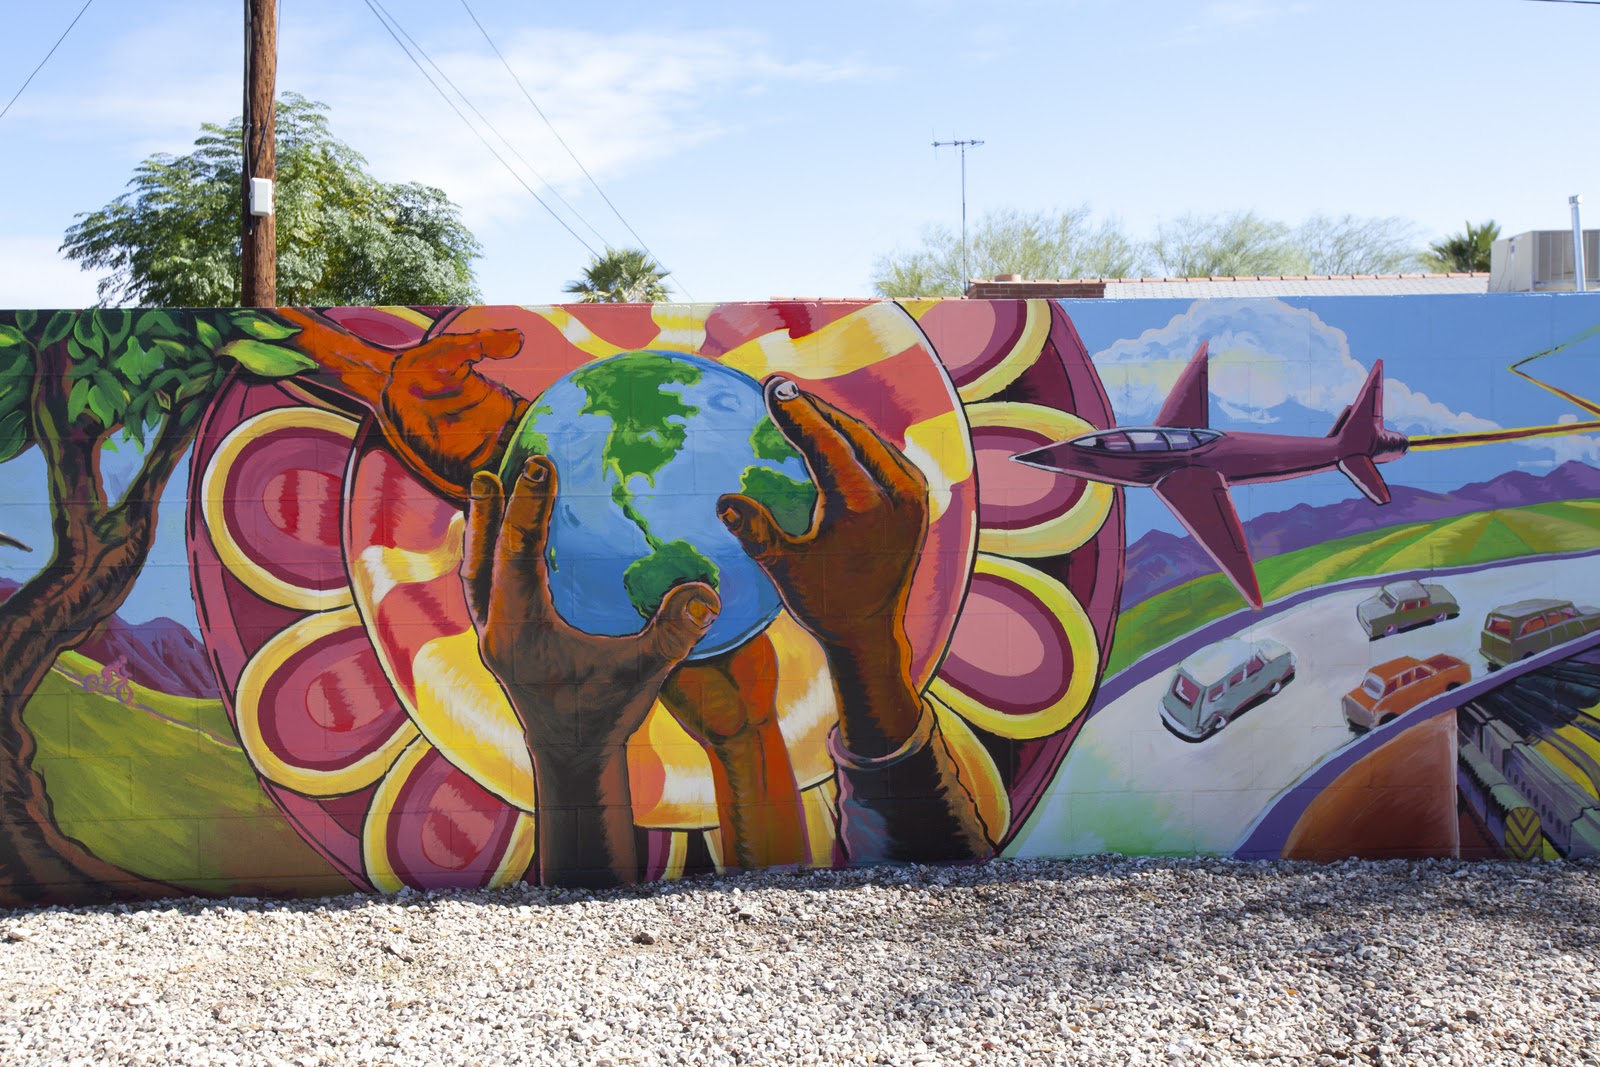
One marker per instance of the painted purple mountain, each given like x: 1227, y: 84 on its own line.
x: 1158, y: 560
x: 160, y: 654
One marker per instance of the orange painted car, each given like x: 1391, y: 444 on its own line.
x: 1391, y: 689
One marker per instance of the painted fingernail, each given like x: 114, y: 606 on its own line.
x: 534, y: 471
x: 481, y: 483
x: 701, y: 613
x: 784, y: 389
x: 730, y: 518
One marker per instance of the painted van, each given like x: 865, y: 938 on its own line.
x: 1218, y: 684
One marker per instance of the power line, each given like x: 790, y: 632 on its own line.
x: 509, y: 168
x: 47, y: 56
x: 561, y: 140
x: 485, y: 120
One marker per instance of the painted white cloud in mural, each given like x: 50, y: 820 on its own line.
x: 1264, y: 354
x: 1268, y: 358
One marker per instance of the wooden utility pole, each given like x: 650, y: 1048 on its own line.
x: 259, y: 264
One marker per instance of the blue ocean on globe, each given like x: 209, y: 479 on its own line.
x: 644, y: 443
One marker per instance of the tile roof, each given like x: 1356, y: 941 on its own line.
x: 1308, y: 285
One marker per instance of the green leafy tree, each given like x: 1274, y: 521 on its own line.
x: 1033, y: 244
x: 1350, y: 244
x: 1241, y: 244
x: 344, y: 237
x: 621, y: 276
x: 72, y: 384
x: 1465, y: 251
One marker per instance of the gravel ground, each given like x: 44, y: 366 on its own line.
x: 1102, y: 961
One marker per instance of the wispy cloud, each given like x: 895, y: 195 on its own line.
x: 622, y: 101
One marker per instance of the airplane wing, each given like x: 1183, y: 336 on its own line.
x: 1198, y: 496
x: 1189, y: 403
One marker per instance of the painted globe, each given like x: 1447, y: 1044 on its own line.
x: 644, y: 443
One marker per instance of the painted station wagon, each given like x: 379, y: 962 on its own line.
x: 1517, y: 631
x: 1402, y: 605
x: 1391, y: 689
x: 1220, y: 682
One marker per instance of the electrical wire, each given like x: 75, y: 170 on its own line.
x: 561, y: 140
x: 492, y: 129
x: 47, y: 56
x: 446, y: 96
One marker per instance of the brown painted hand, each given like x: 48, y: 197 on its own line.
x: 728, y: 703
x: 848, y: 578
x: 579, y: 696
x: 435, y: 410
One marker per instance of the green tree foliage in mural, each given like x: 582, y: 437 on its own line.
x: 1465, y: 251
x: 72, y: 384
x: 344, y: 237
x: 621, y: 276
x: 1033, y: 244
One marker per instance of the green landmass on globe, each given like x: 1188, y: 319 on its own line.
x: 648, y: 426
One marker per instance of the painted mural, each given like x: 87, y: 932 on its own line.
x: 311, y: 600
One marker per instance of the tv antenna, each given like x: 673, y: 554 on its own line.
x: 966, y: 274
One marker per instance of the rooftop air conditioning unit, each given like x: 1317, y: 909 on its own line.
x: 1540, y: 261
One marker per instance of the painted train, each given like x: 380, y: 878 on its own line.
x: 1519, y: 795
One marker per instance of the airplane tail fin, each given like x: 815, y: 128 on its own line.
x: 1359, y: 431
x: 1189, y: 404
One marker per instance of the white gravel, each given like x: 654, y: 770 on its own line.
x: 1103, y: 961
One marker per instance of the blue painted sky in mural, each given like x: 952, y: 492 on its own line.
x: 1445, y: 371
x: 776, y: 149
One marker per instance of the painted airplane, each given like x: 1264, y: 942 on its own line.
x: 1191, y: 466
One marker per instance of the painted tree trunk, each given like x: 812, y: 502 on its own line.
x: 99, y: 550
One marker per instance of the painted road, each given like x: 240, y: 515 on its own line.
x: 1127, y: 785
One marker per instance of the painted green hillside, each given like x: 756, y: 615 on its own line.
x: 1482, y: 537
x: 160, y: 787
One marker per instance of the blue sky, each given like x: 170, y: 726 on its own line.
x: 775, y: 150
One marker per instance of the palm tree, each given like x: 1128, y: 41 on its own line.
x: 1467, y: 251
x: 621, y: 276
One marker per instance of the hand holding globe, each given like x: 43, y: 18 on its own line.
x: 579, y: 696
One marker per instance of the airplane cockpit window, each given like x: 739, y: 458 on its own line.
x: 1147, y: 440
x: 1182, y: 440
x: 1108, y: 441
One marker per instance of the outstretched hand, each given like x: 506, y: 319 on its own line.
x: 436, y: 411
x: 847, y: 579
